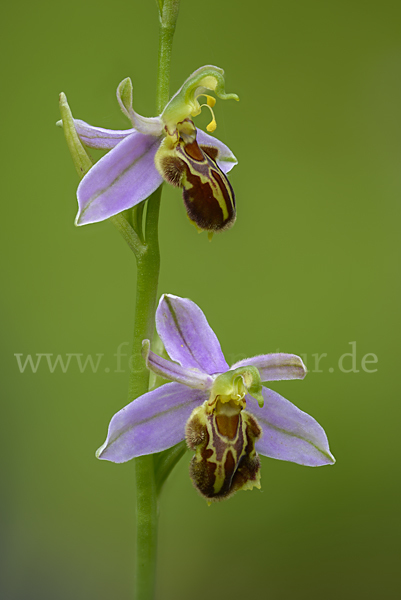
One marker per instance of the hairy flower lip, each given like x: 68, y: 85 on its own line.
x: 156, y: 420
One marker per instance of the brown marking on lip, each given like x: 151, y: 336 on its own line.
x: 203, y: 474
x: 230, y: 466
x: 223, y: 187
x: 201, y: 203
x: 210, y: 151
x: 194, y: 151
x: 227, y: 425
x: 223, y: 466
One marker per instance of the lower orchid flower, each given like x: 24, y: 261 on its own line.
x: 167, y: 147
x: 225, y: 414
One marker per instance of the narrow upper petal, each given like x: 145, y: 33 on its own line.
x: 187, y: 336
x: 289, y: 433
x: 151, y: 423
x: 226, y: 159
x: 273, y: 367
x: 171, y: 370
x: 121, y: 179
x: 148, y: 125
x: 97, y: 137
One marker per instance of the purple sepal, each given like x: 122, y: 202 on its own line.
x: 288, y: 432
x: 171, y: 370
x: 120, y: 180
x: 226, y: 159
x: 151, y: 423
x: 187, y: 336
x: 97, y: 137
x: 274, y: 367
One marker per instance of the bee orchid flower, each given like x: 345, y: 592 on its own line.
x: 163, y: 148
x: 225, y: 414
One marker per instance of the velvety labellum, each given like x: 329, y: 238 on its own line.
x: 225, y: 459
x: 208, y: 195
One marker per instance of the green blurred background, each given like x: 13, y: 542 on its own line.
x: 312, y: 264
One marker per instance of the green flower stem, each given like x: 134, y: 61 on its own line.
x: 148, y: 261
x: 146, y: 532
x: 145, y: 246
x: 168, y: 15
x: 148, y: 266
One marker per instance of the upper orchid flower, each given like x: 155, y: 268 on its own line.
x: 223, y: 412
x: 167, y: 147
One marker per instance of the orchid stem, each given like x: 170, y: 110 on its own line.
x: 148, y: 261
x: 168, y: 15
